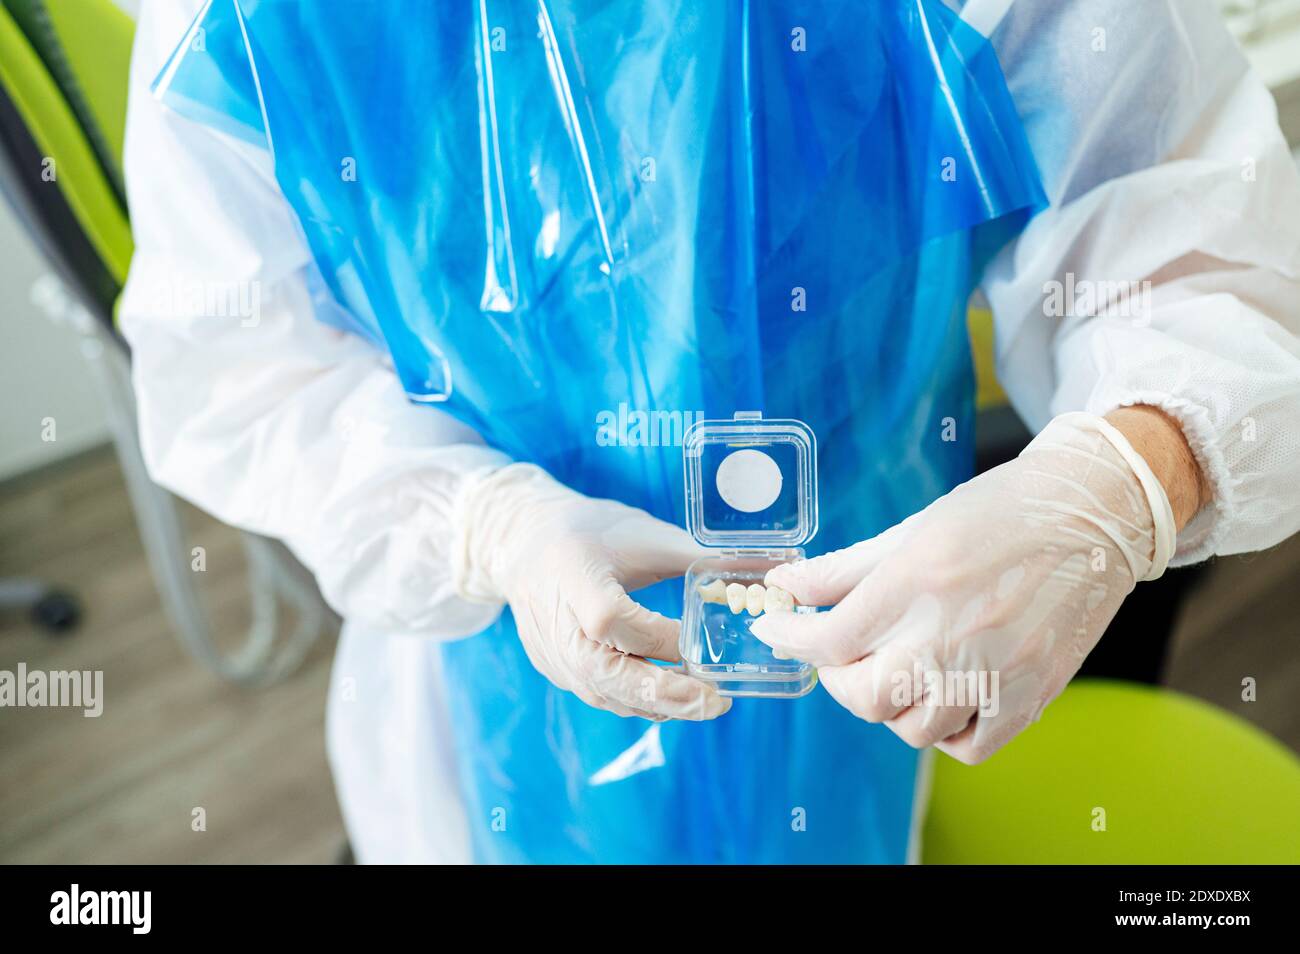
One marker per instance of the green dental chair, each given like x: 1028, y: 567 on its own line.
x: 1114, y: 772
x: 1117, y: 773
x: 63, y: 89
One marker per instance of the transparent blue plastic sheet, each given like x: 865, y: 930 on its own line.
x: 558, y: 214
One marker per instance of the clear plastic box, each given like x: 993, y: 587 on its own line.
x: 751, y: 493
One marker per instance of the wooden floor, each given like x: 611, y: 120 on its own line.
x: 123, y: 787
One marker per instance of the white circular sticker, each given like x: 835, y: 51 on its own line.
x: 749, y: 481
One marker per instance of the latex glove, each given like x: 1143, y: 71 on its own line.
x: 565, y: 563
x: 1014, y: 574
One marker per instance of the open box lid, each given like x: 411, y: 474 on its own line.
x: 751, y: 482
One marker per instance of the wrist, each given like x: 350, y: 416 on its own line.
x: 1101, y: 478
x: 485, y: 501
x: 1159, y: 440
x: 499, y: 514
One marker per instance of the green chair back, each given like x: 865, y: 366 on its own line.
x: 86, y: 46
x: 63, y: 78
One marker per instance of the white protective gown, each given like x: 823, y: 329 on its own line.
x: 1158, y: 148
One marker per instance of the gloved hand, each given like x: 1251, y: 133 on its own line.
x: 1014, y: 574
x: 565, y: 563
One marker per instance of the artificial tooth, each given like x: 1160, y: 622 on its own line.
x: 715, y: 591
x: 754, y: 598
x: 736, y: 596
x: 777, y: 600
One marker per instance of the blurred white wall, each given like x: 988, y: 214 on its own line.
x: 42, y: 373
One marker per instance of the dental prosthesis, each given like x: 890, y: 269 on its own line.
x: 756, y: 598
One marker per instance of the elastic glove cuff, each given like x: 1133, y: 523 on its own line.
x: 471, y: 581
x: 1162, y: 513
x: 483, y: 509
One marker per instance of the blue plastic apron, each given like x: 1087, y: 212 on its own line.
x: 562, y: 213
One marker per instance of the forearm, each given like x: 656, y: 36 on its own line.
x: 270, y: 419
x: 1160, y: 441
x: 1213, y: 337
